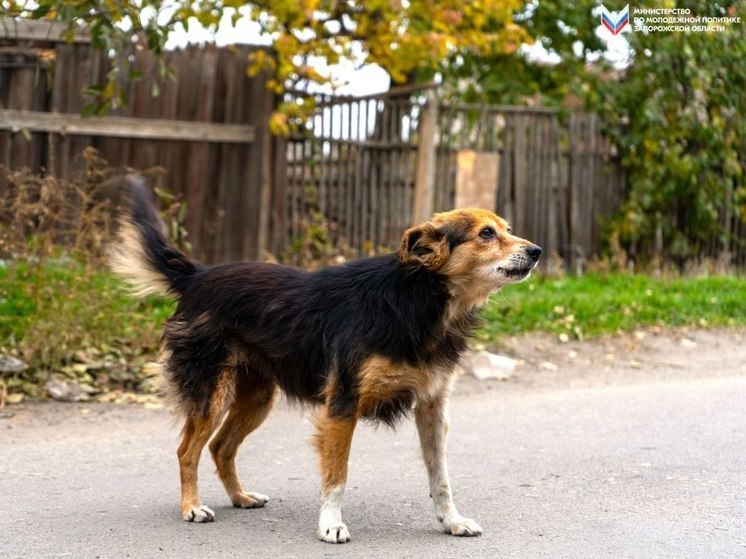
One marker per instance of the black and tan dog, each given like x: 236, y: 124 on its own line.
x: 375, y: 339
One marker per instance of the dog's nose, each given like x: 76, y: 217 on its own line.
x: 533, y: 252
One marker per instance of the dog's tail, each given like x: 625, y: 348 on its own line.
x: 141, y: 253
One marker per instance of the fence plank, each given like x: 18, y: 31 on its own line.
x: 148, y: 131
x: 121, y: 127
x: 20, y: 29
x: 424, y: 183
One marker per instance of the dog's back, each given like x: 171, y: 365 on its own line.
x: 293, y: 328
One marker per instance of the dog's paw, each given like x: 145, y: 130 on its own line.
x: 247, y: 500
x: 199, y: 513
x: 460, y: 526
x: 336, y: 533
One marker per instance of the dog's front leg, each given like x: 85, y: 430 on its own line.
x: 333, y: 440
x: 431, y: 417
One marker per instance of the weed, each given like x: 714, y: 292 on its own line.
x: 61, y: 311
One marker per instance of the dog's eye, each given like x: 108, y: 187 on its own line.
x: 487, y: 233
x: 510, y: 230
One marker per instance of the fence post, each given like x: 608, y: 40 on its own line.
x: 426, y: 144
x: 263, y: 238
x: 278, y: 240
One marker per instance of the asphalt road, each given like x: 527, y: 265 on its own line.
x: 652, y: 468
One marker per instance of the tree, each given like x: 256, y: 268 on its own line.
x: 567, y: 33
x: 402, y: 36
x: 678, y: 117
x: 676, y: 114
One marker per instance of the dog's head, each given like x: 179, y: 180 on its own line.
x: 473, y: 249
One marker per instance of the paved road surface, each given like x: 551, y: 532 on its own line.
x: 652, y: 468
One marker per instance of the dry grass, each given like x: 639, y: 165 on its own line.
x: 61, y: 311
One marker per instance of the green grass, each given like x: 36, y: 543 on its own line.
x: 54, y: 315
x: 600, y: 304
x: 57, y: 316
x: 75, y: 298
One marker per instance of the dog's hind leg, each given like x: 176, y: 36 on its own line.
x: 252, y: 403
x: 431, y: 417
x: 196, y: 433
x: 333, y: 440
x: 197, y: 430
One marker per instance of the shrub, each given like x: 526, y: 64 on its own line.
x: 61, y: 311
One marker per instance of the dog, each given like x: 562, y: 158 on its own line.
x: 373, y: 339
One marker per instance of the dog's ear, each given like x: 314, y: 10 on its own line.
x: 424, y: 245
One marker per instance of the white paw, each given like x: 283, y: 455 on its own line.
x: 460, y: 526
x: 199, y: 514
x: 247, y: 500
x: 334, y: 533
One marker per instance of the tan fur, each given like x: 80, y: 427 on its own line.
x: 424, y: 235
x: 251, y: 406
x: 465, y: 267
x: 332, y: 441
x: 128, y: 259
x: 381, y: 379
x: 196, y: 433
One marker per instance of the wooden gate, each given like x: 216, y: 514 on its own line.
x: 367, y: 168
x: 353, y: 169
x: 556, y: 181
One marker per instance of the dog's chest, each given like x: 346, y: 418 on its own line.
x: 387, y: 388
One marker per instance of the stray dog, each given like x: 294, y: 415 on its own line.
x: 375, y: 339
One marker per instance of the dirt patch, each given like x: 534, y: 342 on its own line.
x: 545, y: 361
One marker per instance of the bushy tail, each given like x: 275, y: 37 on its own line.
x: 141, y: 253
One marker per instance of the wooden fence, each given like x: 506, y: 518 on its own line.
x: 369, y: 167
x: 354, y: 168
x: 372, y: 166
x: 362, y: 170
x: 556, y: 181
x: 207, y: 129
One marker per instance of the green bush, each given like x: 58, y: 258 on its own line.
x: 677, y: 117
x: 61, y: 311
x: 75, y: 320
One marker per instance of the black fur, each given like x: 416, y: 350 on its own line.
x: 172, y: 263
x: 300, y: 330
x: 456, y: 234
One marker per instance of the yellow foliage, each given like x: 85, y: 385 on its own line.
x: 278, y: 124
x: 400, y: 37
